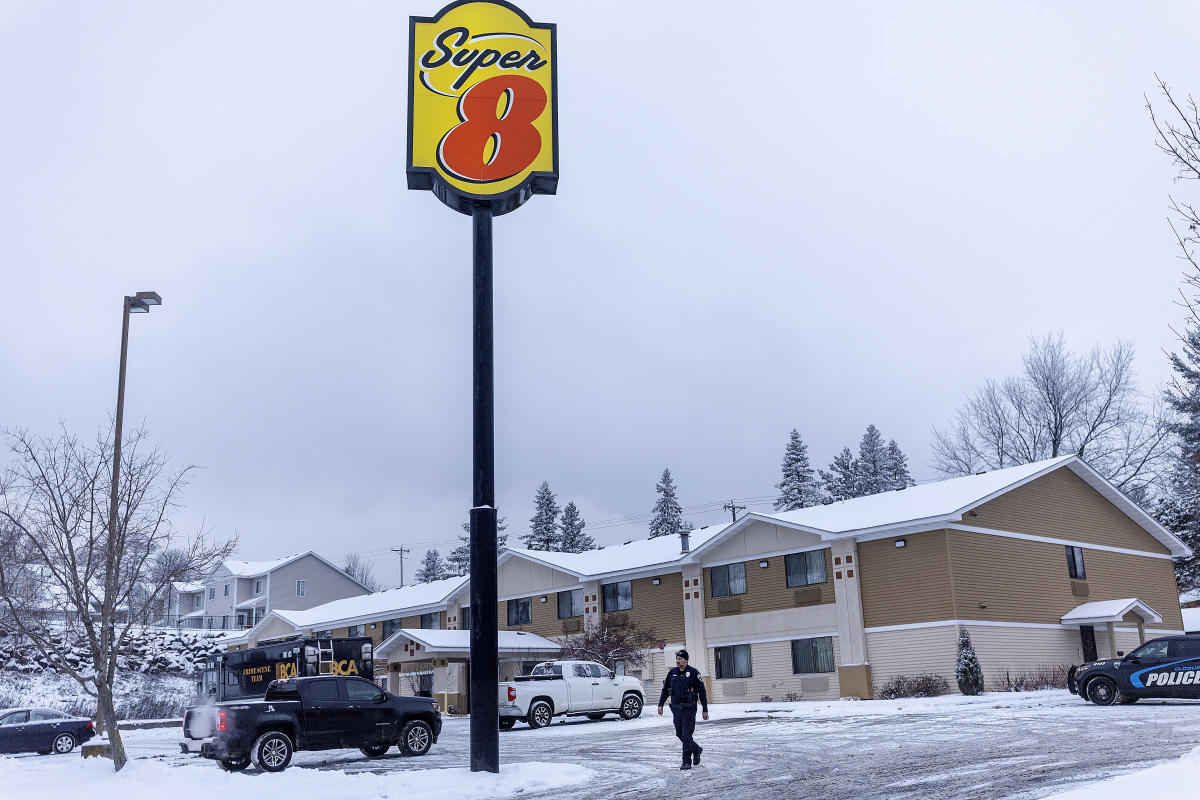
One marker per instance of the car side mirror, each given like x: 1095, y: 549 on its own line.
x: 612, y: 676
x: 381, y: 698
x: 1120, y: 654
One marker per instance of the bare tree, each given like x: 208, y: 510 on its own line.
x: 67, y: 572
x: 1062, y: 404
x: 361, y: 570
x: 615, y: 638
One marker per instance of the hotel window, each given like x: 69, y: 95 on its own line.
x: 258, y: 587
x: 804, y: 569
x: 465, y: 616
x: 356, y: 630
x: 812, y: 655
x: 431, y: 621
x: 570, y: 604
x: 618, y: 596
x: 300, y: 588
x: 212, y: 593
x: 227, y: 590
x: 519, y: 611
x: 733, y: 661
x: 199, y: 601
x: 390, y: 626
x: 1075, y: 563
x: 728, y: 579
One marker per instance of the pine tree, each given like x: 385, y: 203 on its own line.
x: 896, y: 470
x: 871, y: 465
x: 543, y: 525
x: 668, y: 516
x: 433, y: 567
x: 1178, y: 510
x: 841, y: 481
x: 571, y: 538
x: 459, y: 561
x: 967, y: 670
x: 798, y: 489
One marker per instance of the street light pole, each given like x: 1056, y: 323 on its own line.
x: 137, y: 304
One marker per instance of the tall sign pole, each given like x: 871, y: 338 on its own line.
x: 483, y: 137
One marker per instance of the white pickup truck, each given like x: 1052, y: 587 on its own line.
x: 570, y: 688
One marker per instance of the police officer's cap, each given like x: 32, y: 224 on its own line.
x: 682, y: 654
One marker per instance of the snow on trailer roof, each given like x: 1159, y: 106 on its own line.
x: 1191, y: 620
x: 1110, y: 611
x: 389, y: 601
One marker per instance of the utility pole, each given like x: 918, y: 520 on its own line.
x: 401, y: 551
x: 733, y: 508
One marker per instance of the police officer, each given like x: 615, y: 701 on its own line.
x: 685, y: 688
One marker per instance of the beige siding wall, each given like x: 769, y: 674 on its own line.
x: 766, y: 587
x: 518, y: 576
x: 761, y: 537
x: 905, y: 585
x: 1023, y: 581
x: 1061, y: 505
x: 543, y: 617
x: 912, y: 652
x: 657, y: 608
x: 771, y: 668
x: 322, y: 584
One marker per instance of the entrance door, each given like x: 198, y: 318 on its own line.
x: 1087, y: 635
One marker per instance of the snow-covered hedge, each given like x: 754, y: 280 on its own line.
x: 136, y: 696
x: 152, y: 651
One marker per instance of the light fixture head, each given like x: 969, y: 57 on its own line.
x: 763, y: 563
x: 901, y: 543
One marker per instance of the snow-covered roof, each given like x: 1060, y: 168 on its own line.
x: 1109, y: 611
x: 252, y: 602
x: 390, y: 602
x: 199, y: 613
x: 182, y: 586
x: 251, y: 569
x: 1190, y: 596
x: 1191, y: 620
x: 640, y: 554
x: 449, y: 642
x: 945, y: 502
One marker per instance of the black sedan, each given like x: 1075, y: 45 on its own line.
x: 42, y: 730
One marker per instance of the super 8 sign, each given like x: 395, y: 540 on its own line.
x: 482, y: 109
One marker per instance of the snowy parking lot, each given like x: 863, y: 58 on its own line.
x: 1030, y: 745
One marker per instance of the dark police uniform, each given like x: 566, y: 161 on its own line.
x: 685, y: 689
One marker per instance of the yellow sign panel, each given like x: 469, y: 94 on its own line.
x: 482, y: 108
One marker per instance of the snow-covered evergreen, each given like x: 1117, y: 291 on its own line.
x: 967, y: 671
x: 896, y: 469
x: 1178, y: 509
x: 459, y: 560
x: 871, y: 466
x: 668, y: 515
x: 543, y: 525
x: 572, y: 539
x: 433, y: 567
x: 798, y: 488
x: 841, y: 481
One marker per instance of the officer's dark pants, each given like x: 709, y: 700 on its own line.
x: 685, y: 726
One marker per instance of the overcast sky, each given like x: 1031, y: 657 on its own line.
x: 770, y: 215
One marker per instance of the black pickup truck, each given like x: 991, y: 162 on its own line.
x: 322, y: 713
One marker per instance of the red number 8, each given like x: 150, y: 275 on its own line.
x: 515, y: 142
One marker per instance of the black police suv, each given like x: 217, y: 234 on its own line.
x: 320, y: 713
x: 1165, y: 667
x: 42, y: 730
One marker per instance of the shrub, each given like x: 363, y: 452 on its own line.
x: 1045, y: 676
x: 791, y: 697
x: 968, y: 672
x: 925, y: 685
x: 766, y: 698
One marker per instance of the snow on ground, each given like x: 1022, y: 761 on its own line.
x: 136, y: 694
x: 94, y: 779
x: 1175, y: 779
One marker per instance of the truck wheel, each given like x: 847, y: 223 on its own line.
x: 234, y: 764
x: 631, y: 707
x: 507, y: 723
x: 540, y: 714
x: 375, y: 750
x: 1102, y: 691
x: 272, y: 751
x: 416, y: 738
